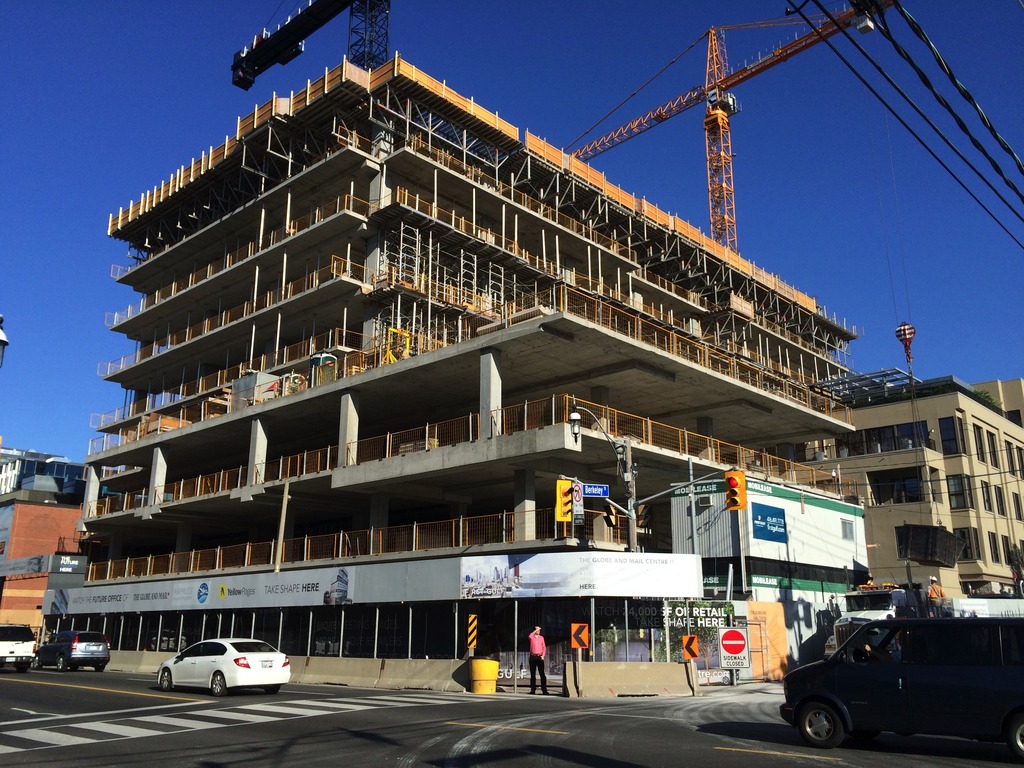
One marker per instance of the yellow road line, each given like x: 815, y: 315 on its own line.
x: 508, y: 728
x: 777, y: 754
x: 96, y: 688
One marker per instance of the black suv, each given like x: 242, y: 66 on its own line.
x: 73, y: 648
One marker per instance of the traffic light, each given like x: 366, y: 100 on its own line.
x: 735, y: 490
x: 563, y: 501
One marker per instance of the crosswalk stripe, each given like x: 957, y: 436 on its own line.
x: 245, y: 717
x: 200, y: 719
x: 284, y: 709
x: 179, y: 722
x: 54, y: 738
x: 119, y: 729
x: 350, y: 705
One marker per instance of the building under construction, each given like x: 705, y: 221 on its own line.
x: 361, y: 326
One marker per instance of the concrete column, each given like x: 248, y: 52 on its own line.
x: 526, y: 504
x: 257, y: 453
x: 92, y: 489
x: 379, y: 510
x: 183, y: 540
x: 490, y: 393
x: 157, y: 476
x: 706, y: 426
x: 114, y: 546
x: 348, y: 426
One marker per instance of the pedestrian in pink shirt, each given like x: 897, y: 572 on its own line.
x: 538, y: 652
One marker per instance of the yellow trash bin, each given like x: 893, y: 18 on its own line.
x: 483, y: 675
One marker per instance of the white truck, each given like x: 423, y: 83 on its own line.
x: 17, y: 646
x: 867, y: 603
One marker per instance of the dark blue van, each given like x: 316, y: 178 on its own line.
x: 953, y: 677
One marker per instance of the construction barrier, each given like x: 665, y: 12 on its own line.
x: 608, y: 679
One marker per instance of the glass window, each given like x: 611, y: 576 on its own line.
x: 993, y: 547
x: 969, y: 536
x: 1020, y: 460
x: 993, y: 454
x: 1006, y: 549
x: 1011, y: 465
x: 959, y: 487
x: 1000, y: 501
x: 961, y: 645
x: 847, y: 530
x: 986, y: 495
x: 950, y: 437
x: 1013, y: 645
x: 979, y: 442
x: 1017, y: 511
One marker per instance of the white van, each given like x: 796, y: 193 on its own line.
x: 17, y: 646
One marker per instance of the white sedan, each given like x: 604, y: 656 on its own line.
x: 224, y: 663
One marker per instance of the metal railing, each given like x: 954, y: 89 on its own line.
x: 458, y: 532
x: 533, y: 414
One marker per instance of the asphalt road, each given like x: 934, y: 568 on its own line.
x: 85, y: 718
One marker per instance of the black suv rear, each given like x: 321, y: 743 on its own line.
x: 73, y: 648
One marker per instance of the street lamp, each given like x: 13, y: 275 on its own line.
x: 3, y: 340
x: 623, y: 462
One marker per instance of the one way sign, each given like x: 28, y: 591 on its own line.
x: 580, y: 635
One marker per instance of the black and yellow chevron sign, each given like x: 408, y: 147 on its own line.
x: 471, y: 631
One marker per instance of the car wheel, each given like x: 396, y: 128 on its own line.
x: 218, y: 685
x: 1015, y: 736
x: 23, y: 668
x: 36, y: 663
x: 820, y: 725
x: 166, y: 681
x: 100, y: 667
x: 271, y: 688
x: 62, y: 664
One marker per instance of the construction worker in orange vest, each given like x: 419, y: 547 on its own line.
x: 936, y: 594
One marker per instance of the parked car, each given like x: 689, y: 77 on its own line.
x: 73, y: 648
x: 17, y: 646
x: 221, y: 664
x: 946, y: 676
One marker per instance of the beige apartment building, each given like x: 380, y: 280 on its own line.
x: 937, y: 452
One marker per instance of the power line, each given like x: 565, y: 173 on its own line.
x: 910, y: 130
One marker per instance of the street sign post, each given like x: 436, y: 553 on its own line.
x: 733, y: 647
x: 600, y: 491
x: 577, y: 504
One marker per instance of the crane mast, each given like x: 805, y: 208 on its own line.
x: 720, y: 106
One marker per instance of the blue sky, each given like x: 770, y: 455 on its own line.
x: 105, y: 99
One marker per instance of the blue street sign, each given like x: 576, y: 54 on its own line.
x: 595, y: 490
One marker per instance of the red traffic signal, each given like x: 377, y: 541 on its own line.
x: 735, y: 490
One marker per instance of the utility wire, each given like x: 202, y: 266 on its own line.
x: 903, y: 54
x: 910, y: 130
x: 650, y: 80
x: 960, y: 87
x: 920, y: 113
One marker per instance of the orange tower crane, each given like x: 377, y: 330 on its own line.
x: 721, y: 105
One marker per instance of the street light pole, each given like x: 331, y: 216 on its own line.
x: 623, y: 462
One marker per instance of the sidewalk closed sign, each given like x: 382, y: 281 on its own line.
x: 733, y: 647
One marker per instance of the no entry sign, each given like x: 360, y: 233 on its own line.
x: 733, y: 648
